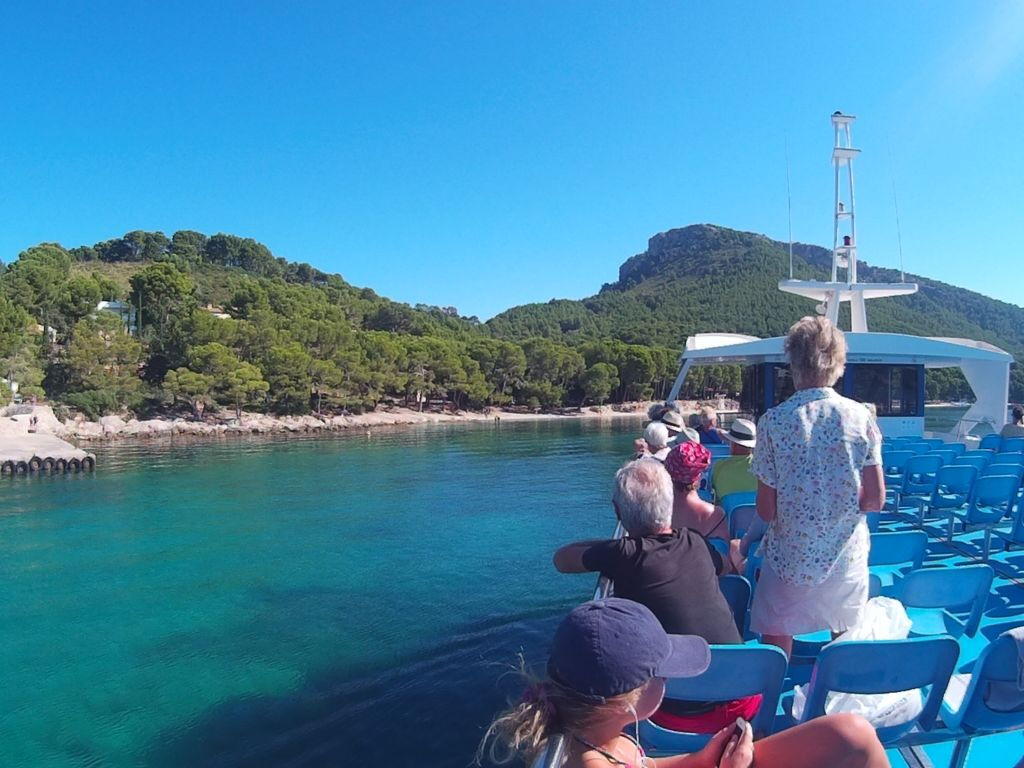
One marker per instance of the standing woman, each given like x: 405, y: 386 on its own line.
x: 818, y: 465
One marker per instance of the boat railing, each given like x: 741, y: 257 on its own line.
x: 554, y: 753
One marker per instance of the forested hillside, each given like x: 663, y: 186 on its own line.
x: 206, y: 322
x: 707, y: 278
x: 218, y: 323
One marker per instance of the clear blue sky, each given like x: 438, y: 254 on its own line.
x: 483, y: 154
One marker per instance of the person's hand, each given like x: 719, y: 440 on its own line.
x: 711, y: 752
x: 739, y: 750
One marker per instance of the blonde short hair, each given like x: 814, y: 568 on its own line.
x: 707, y: 415
x: 816, y: 350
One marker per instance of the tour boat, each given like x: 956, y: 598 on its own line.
x: 961, y: 649
x: 887, y: 369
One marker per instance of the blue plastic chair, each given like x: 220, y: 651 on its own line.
x: 736, y: 591
x: 920, y: 476
x: 945, y: 454
x: 958, y: 448
x: 894, y: 460
x: 978, y: 462
x: 740, y: 519
x: 719, y: 451
x: 932, y: 595
x: 934, y: 442
x: 733, y: 500
x: 1012, y: 445
x: 952, y: 490
x: 917, y: 447
x: 996, y: 468
x: 991, y: 442
x: 986, y: 454
x: 1009, y: 457
x: 736, y: 671
x: 884, y: 666
x: 992, y: 500
x: 892, y: 552
x: 965, y: 709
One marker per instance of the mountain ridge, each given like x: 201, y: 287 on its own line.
x: 705, y: 277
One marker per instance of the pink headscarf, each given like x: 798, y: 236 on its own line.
x: 686, y: 461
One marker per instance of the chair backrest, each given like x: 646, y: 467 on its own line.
x: 736, y: 591
x: 991, y: 442
x: 883, y: 666
x: 719, y: 451
x: 958, y: 448
x: 993, y: 492
x: 957, y: 479
x: 1009, y: 457
x: 737, y: 671
x: 996, y: 468
x: 978, y: 462
x: 740, y: 519
x: 920, y: 474
x: 918, y: 447
x: 958, y: 590
x: 1012, y: 445
x: 893, y: 461
x: 732, y: 500
x: 996, y: 664
x: 946, y: 455
x: 897, y: 548
x: 986, y: 454
x: 934, y: 442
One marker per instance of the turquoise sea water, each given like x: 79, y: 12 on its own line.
x: 332, y: 601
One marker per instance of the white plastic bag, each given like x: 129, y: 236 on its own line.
x: 883, y: 619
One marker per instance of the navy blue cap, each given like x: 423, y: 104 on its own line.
x: 608, y: 647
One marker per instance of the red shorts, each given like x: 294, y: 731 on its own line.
x: 710, y: 722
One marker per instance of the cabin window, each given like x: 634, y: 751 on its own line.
x: 783, y: 384
x: 892, y: 388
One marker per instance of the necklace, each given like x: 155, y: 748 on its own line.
x: 608, y: 755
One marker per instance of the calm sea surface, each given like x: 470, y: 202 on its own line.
x: 330, y: 601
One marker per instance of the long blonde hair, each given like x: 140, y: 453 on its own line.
x: 546, y: 709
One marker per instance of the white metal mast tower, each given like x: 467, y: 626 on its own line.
x: 833, y: 293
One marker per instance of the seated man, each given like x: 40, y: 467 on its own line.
x: 733, y: 475
x: 1016, y: 427
x: 672, y: 572
x: 709, y: 432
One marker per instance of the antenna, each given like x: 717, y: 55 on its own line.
x: 896, y: 206
x: 789, y: 210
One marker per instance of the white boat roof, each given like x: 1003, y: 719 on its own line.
x: 933, y: 352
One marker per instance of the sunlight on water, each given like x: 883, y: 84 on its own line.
x: 265, y: 602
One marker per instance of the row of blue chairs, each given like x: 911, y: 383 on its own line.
x: 859, y: 667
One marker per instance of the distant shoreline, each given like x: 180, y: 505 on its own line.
x: 17, y: 422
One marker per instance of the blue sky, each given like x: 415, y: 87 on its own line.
x: 484, y: 154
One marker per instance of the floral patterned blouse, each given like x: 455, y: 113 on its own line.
x: 811, y: 450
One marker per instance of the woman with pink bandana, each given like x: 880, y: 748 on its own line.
x: 686, y: 464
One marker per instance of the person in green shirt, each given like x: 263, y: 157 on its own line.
x: 733, y: 475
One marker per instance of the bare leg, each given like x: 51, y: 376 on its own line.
x: 785, y: 642
x: 836, y: 741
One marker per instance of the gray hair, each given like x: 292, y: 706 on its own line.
x: 656, y: 435
x: 816, y: 350
x: 643, y: 497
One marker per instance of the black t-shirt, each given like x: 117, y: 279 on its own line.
x: 675, y: 575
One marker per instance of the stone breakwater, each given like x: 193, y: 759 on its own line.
x: 17, y: 420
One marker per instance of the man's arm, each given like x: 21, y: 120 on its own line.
x: 872, y: 488
x: 766, y: 501
x: 569, y: 559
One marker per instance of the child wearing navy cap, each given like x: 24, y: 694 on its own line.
x: 606, y: 671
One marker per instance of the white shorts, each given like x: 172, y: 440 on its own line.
x: 794, y: 609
